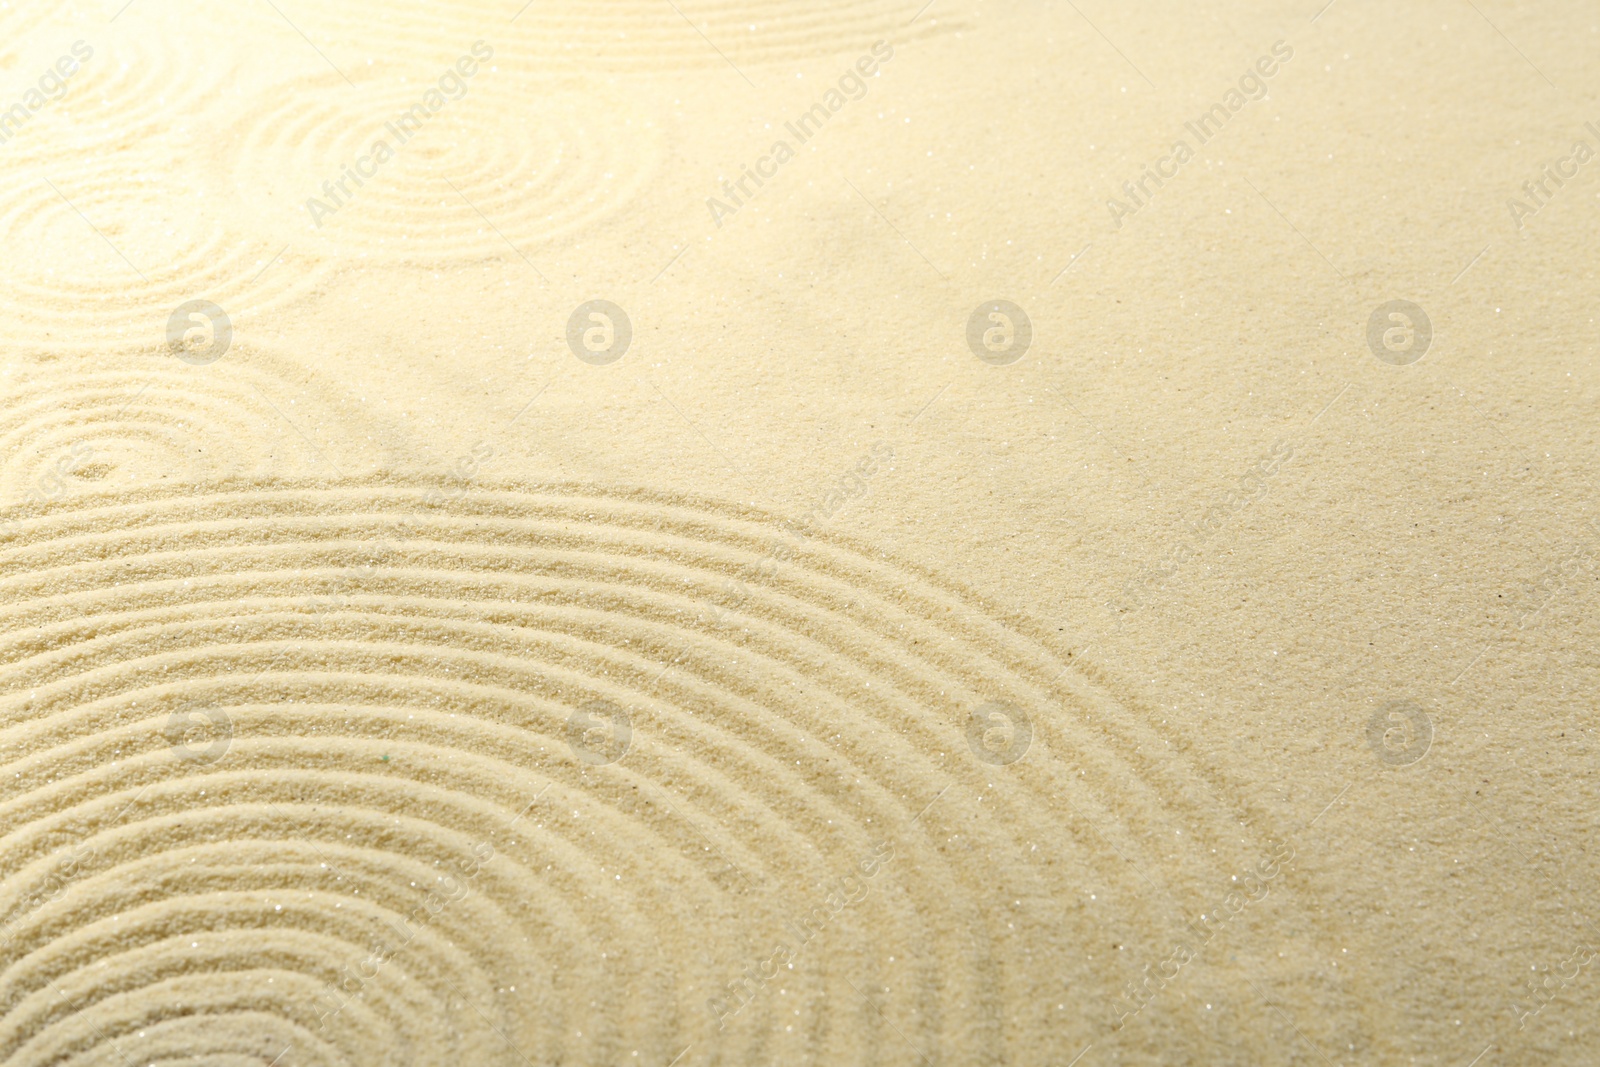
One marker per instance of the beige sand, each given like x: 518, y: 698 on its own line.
x: 997, y: 579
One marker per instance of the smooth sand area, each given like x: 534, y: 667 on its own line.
x: 694, y: 533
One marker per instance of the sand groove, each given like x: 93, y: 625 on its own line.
x: 116, y: 246
x: 397, y: 681
x: 629, y: 35
x: 126, y: 93
x: 19, y: 17
x: 553, y: 162
x: 75, y: 424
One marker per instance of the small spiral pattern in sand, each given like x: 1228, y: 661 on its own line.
x: 486, y: 176
x: 134, y: 91
x: 116, y: 245
x: 18, y: 18
x: 79, y: 424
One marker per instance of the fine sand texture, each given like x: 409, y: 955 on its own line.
x: 706, y: 533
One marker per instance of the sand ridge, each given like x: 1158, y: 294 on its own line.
x: 625, y: 36
x: 87, y: 295
x: 500, y: 564
x: 420, y: 708
x: 570, y: 161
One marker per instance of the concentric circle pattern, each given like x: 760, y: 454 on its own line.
x: 19, y: 17
x: 131, y: 89
x: 115, y: 245
x: 375, y: 173
x: 337, y: 774
x: 628, y: 35
x: 76, y: 424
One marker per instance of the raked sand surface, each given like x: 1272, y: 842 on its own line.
x: 677, y: 533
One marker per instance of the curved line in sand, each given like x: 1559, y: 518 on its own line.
x: 128, y: 92
x: 493, y: 167
x: 631, y: 35
x: 75, y: 424
x: 20, y: 17
x: 820, y: 708
x: 116, y: 250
